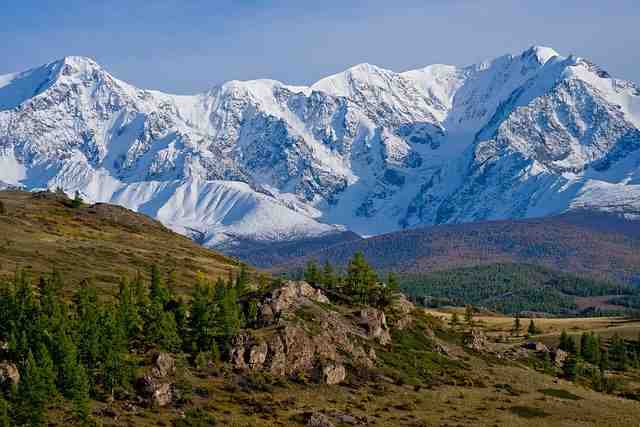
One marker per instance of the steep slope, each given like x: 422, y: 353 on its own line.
x: 368, y: 150
x: 42, y: 232
x: 598, y: 245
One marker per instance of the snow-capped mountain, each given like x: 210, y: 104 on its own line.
x: 369, y: 150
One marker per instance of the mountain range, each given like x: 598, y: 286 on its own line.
x: 368, y: 150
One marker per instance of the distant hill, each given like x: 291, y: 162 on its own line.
x: 267, y: 254
x: 43, y: 231
x: 596, y: 245
x: 517, y: 288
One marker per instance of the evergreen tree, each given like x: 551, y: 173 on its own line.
x: 32, y: 394
x: 455, y: 321
x: 567, y: 343
x: 242, y: 280
x: 5, y: 418
x: 570, y: 367
x: 3, y: 209
x: 618, y: 353
x: 532, y: 330
x: 77, y: 201
x: 515, y: 329
x: 361, y: 278
x: 158, y: 292
x: 47, y: 370
x: 468, y: 314
x: 128, y: 314
x: 328, y: 276
x: 312, y: 274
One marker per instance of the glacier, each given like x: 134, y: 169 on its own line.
x: 368, y: 150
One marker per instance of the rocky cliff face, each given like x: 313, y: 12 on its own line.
x: 368, y: 149
x: 301, y: 333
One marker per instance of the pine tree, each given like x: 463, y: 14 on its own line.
x: 328, y: 276
x: 47, y: 370
x: 567, y: 343
x: 77, y: 201
x: 32, y: 394
x: 531, y: 330
x: 515, y: 330
x: 5, y: 418
x: 455, y: 321
x: 570, y: 367
x: 128, y: 315
x: 158, y: 292
x: 242, y: 280
x: 468, y: 314
x: 311, y: 274
x: 3, y: 209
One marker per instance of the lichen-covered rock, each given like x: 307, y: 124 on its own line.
x: 9, y: 374
x: 375, y: 324
x: 333, y: 373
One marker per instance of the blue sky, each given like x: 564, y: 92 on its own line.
x: 189, y: 46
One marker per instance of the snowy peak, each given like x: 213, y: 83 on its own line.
x: 367, y: 149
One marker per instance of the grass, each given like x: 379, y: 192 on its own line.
x: 41, y: 232
x: 560, y: 394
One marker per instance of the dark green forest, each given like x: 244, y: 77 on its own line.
x: 509, y: 288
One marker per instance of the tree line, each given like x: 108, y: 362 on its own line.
x: 72, y: 351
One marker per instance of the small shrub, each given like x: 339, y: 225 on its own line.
x: 195, y: 418
x: 528, y: 412
x: 560, y: 394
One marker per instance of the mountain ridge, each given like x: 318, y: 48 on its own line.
x: 367, y: 150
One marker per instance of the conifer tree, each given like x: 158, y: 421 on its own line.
x: 77, y: 200
x: 531, y: 330
x: 158, y: 292
x: 468, y: 314
x: 570, y: 367
x: 455, y: 321
x: 5, y: 418
x: 32, y: 394
x: 328, y: 276
x: 515, y: 329
x: 312, y: 274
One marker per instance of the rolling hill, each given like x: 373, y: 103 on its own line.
x: 43, y: 231
x: 597, y: 245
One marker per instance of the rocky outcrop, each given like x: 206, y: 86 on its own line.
x: 476, y: 340
x: 375, y: 323
x: 319, y: 420
x: 333, y: 373
x: 291, y: 294
x: 300, y: 334
x: 9, y: 375
x: 156, y: 386
x: 536, y: 346
x: 558, y: 357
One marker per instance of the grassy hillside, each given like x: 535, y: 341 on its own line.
x: 511, y: 288
x: 42, y: 231
x: 597, y: 245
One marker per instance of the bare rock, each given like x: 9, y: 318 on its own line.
x: 476, y: 340
x: 319, y: 420
x: 9, y: 374
x: 164, y: 365
x: 558, y: 357
x: 536, y: 346
x: 375, y: 324
x: 159, y: 393
x: 333, y: 373
x: 291, y: 294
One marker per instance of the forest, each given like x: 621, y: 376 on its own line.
x: 509, y: 288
